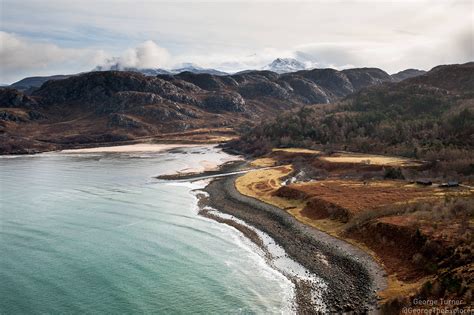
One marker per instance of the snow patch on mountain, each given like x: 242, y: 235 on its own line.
x: 284, y: 65
x: 157, y: 71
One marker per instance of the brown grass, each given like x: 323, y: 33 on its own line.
x: 296, y: 150
x: 263, y: 162
x: 371, y: 159
x: 261, y: 184
x: 397, y: 288
x: 357, y: 197
x: 389, y: 202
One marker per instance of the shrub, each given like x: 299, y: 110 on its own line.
x: 393, y: 173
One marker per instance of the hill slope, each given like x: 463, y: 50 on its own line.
x: 429, y: 116
x: 31, y: 83
x: 98, y: 107
x: 406, y: 74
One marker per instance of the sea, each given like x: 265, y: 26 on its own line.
x: 97, y: 233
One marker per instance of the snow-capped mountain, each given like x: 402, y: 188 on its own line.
x: 284, y: 65
x: 156, y: 71
x: 190, y: 67
x: 145, y: 71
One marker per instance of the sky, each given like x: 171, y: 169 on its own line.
x: 46, y: 37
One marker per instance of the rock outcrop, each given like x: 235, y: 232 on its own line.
x: 129, y: 105
x: 11, y: 98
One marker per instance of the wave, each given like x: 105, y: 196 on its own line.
x: 284, y: 267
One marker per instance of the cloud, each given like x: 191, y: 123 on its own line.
x: 150, y: 55
x: 236, y: 60
x: 146, y: 55
x: 47, y: 37
x: 21, y: 56
x: 421, y: 52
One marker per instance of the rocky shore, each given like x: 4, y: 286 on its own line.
x: 351, y: 275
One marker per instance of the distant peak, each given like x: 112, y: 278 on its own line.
x: 283, y: 65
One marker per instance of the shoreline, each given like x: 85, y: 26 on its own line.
x: 195, y: 137
x: 308, y: 287
x: 352, y: 276
x: 131, y: 148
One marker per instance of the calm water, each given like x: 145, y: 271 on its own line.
x: 95, y: 233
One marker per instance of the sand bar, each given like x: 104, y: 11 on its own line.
x: 140, y: 147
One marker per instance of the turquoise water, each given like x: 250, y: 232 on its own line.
x: 95, y: 233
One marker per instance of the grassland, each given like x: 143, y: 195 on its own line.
x: 413, y: 231
x: 371, y: 159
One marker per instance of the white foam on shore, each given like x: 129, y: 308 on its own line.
x: 283, y: 263
x: 279, y: 266
x: 255, y: 252
x: 258, y: 256
x: 17, y: 156
x: 279, y: 261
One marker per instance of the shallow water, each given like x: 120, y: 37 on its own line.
x: 95, y: 233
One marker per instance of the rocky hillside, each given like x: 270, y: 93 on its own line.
x: 31, y: 83
x: 406, y: 74
x: 156, y: 71
x: 117, y: 106
x: 429, y: 116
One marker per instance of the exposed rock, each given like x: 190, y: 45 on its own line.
x: 336, y: 82
x: 232, y: 102
x: 309, y: 92
x: 12, y: 98
x: 124, y: 100
x: 164, y: 112
x: 36, y: 115
x: 10, y: 116
x: 204, y: 81
x: 264, y: 89
x: 191, y: 113
x: 96, y: 87
x: 123, y: 121
x: 92, y: 104
x: 364, y: 77
x: 186, y: 86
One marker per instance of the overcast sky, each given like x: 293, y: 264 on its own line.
x: 47, y: 37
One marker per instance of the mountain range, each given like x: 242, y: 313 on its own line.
x: 107, y: 106
x: 279, y: 65
x: 418, y: 117
x: 156, y: 71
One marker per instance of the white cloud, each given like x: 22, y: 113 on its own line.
x: 146, y: 55
x: 23, y: 57
x: 150, y: 55
x: 231, y: 35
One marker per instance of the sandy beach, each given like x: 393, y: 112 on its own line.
x: 202, y: 166
x: 140, y: 147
